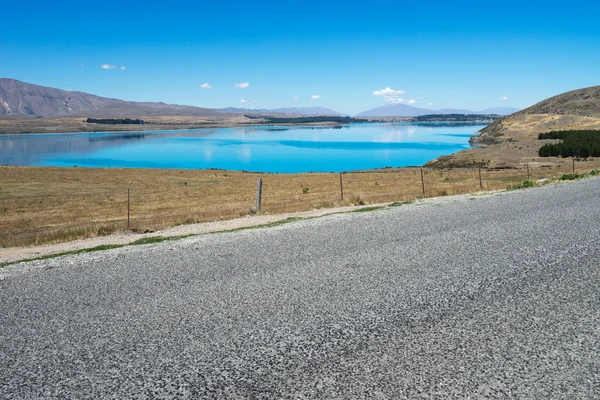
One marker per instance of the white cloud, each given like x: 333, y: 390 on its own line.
x: 429, y: 104
x: 390, y: 95
x: 110, y: 66
x: 206, y: 85
x: 243, y: 101
x: 412, y: 101
x: 315, y: 97
x: 504, y: 98
x: 294, y: 97
x: 242, y: 85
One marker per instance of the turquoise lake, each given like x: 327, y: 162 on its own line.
x: 259, y: 149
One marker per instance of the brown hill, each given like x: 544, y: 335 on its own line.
x: 512, y: 141
x: 581, y: 102
x: 20, y: 99
x: 577, y: 109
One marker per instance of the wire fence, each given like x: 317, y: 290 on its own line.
x: 37, y: 218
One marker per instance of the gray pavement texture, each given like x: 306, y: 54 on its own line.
x: 496, y: 296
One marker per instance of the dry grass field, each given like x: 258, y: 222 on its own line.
x: 48, y: 205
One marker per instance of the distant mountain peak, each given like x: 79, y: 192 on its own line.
x: 286, y: 110
x: 403, y: 110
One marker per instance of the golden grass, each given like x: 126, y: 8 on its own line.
x: 46, y: 204
x: 520, y: 144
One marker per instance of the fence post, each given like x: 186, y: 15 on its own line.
x: 573, y: 164
x: 480, y: 181
x: 422, y: 182
x: 128, y: 207
x: 258, y: 193
x: 528, y: 171
x: 341, y: 187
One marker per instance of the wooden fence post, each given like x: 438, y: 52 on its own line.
x: 128, y: 208
x: 573, y: 164
x: 422, y: 182
x: 480, y: 181
x: 341, y: 187
x: 528, y: 171
x: 258, y: 193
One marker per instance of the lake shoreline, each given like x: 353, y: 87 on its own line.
x: 262, y: 148
x: 99, y: 128
x: 62, y: 125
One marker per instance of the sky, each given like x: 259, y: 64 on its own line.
x: 344, y: 55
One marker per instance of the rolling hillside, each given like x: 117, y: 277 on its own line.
x: 512, y: 141
x: 577, y: 109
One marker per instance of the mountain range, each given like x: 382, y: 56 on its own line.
x: 403, y: 110
x: 20, y: 99
x: 285, y: 110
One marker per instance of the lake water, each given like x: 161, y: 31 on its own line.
x: 260, y: 149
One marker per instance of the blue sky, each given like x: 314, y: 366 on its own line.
x: 336, y: 54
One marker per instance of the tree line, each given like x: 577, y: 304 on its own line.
x: 575, y: 143
x: 456, y: 117
x: 306, y: 120
x: 115, y: 121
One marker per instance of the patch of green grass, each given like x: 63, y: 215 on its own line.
x: 400, y: 203
x: 365, y: 209
x: 595, y: 172
x: 570, y: 177
x: 269, y: 225
x: 524, y: 185
x: 158, y: 239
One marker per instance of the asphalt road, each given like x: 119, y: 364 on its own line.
x: 495, y: 296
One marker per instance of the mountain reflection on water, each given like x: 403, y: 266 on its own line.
x: 261, y: 149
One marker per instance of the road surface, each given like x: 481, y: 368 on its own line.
x: 494, y: 296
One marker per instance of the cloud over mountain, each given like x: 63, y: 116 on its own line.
x: 393, y: 96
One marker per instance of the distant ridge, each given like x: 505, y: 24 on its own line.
x: 403, y: 110
x: 21, y: 99
x: 24, y: 99
x: 394, y: 110
x: 288, y: 110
